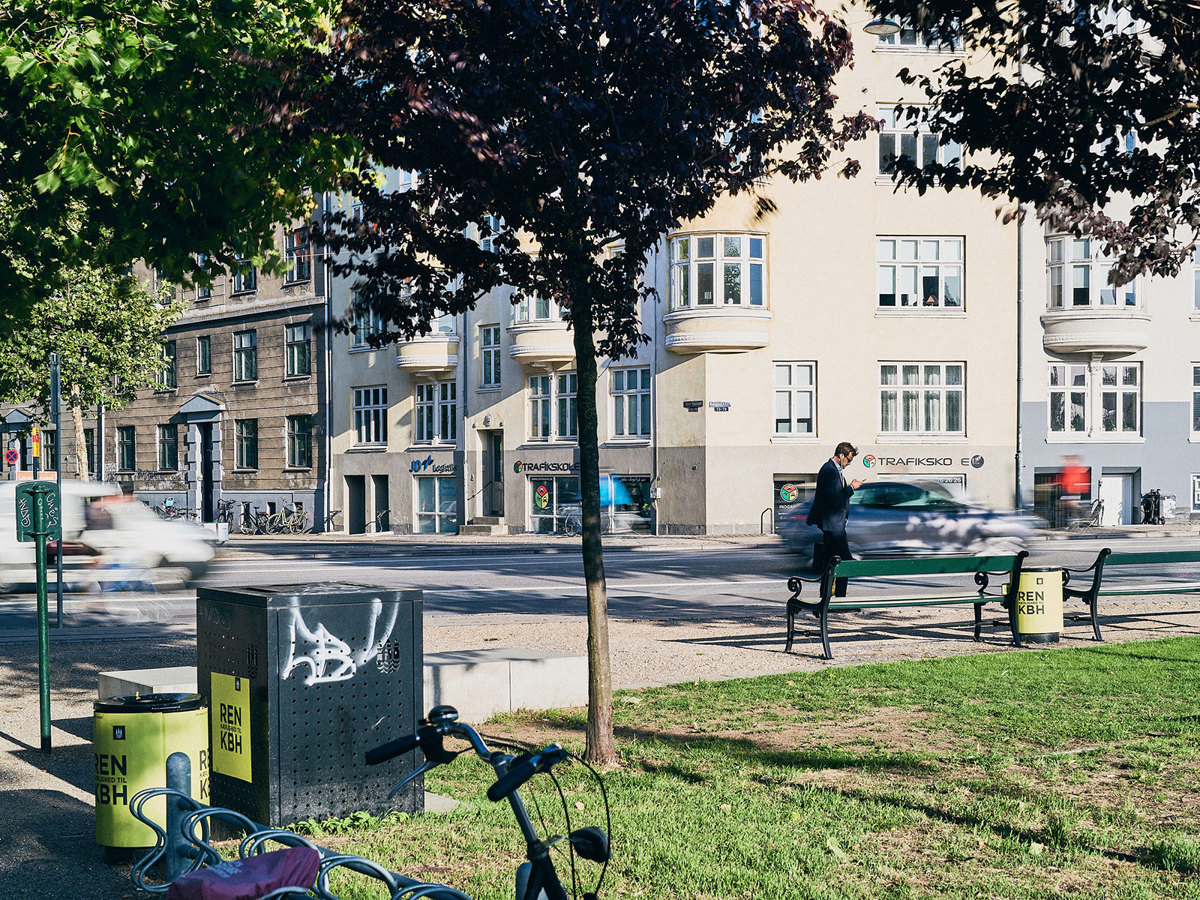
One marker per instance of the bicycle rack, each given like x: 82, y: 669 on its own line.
x: 182, y: 845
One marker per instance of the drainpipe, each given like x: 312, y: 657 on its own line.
x: 656, y: 345
x: 327, y: 351
x: 1020, y: 349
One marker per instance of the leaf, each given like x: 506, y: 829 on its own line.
x: 47, y: 182
x: 836, y: 850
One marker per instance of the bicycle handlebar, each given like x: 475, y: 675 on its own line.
x: 524, y: 767
x: 392, y: 749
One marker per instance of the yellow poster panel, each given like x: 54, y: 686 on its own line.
x: 231, y: 726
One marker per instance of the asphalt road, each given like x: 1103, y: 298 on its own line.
x: 708, y: 580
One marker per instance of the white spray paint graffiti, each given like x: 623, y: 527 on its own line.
x: 328, y: 657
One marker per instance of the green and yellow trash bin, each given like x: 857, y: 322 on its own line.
x: 132, y: 737
x: 1040, y: 605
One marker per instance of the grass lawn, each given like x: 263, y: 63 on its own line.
x: 1034, y: 774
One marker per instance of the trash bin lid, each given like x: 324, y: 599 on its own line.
x: 133, y: 703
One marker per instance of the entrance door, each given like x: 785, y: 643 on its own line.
x: 493, y: 473
x: 1117, y: 493
x: 356, y: 504
x: 208, y: 487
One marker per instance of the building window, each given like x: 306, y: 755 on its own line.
x: 168, y: 448
x: 924, y: 273
x: 795, y: 398
x: 551, y: 501
x: 1195, y: 400
x: 299, y: 442
x: 1068, y: 399
x: 204, y: 291
x: 437, y: 412
x: 437, y: 505
x: 712, y: 269
x: 126, y: 450
x: 1196, y: 280
x: 492, y: 226
x: 914, y: 141
x: 1196, y: 493
x: 245, y: 276
x: 49, y: 459
x: 921, y: 398
x: 1078, y: 276
x: 553, y: 410
x: 537, y: 309
x: 89, y: 443
x: 631, y: 402
x: 245, y: 355
x: 489, y: 344
x: 166, y: 375
x: 370, y: 415
x: 164, y: 290
x: 1074, y: 396
x: 1120, y: 399
x: 246, y: 443
x: 299, y: 256
x: 204, y: 355
x: 913, y: 39
x: 367, y: 322
x: 298, y: 353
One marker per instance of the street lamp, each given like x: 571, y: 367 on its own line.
x: 881, y: 27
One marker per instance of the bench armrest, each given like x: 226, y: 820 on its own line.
x: 796, y: 582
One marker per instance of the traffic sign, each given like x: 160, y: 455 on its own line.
x: 38, y: 511
x: 11, y: 457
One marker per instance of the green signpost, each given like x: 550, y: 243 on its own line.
x: 39, y: 518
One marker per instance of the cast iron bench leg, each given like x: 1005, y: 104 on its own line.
x: 791, y: 616
x: 825, y: 632
x: 978, y: 621
x: 1095, y: 602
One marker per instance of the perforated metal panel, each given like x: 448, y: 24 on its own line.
x: 333, y: 669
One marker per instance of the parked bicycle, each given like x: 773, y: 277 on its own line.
x: 1091, y: 519
x: 291, y: 520
x: 537, y: 877
x: 226, y: 512
x: 331, y: 520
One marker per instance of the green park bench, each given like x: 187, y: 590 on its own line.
x: 981, y: 569
x: 1147, y: 562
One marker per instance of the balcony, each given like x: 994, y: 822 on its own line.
x: 433, y: 354
x: 717, y: 329
x: 541, y: 342
x: 1098, y: 331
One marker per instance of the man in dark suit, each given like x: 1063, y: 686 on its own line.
x: 830, y: 507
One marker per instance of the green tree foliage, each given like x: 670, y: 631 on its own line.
x: 579, y: 123
x: 1087, y: 111
x: 131, y: 129
x: 106, y: 329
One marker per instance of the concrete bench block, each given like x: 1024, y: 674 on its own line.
x: 175, y: 680
x: 481, y: 683
x: 478, y: 683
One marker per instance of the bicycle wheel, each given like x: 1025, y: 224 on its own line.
x: 275, y: 524
x: 299, y: 522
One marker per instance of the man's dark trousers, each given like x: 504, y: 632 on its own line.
x: 836, y: 545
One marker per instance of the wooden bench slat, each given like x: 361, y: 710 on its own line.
x: 884, y: 602
x: 1152, y: 557
x: 936, y: 565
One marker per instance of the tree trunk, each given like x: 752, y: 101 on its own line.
x: 600, y: 748
x: 81, y: 463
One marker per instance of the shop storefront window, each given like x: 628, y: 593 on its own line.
x: 437, y: 505
x: 551, y: 500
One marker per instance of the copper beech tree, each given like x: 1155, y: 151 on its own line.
x: 579, y: 125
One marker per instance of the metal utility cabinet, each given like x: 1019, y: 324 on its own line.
x: 300, y: 681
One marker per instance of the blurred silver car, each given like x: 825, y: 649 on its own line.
x: 913, y: 517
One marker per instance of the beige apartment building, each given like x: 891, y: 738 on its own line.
x: 854, y: 312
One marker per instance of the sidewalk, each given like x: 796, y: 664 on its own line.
x: 47, y: 847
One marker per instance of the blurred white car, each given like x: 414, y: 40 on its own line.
x: 108, y: 540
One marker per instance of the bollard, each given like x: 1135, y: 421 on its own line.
x: 176, y: 855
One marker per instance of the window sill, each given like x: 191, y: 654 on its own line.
x: 294, y: 282
x: 237, y: 471
x: 430, y: 445
x: 918, y: 51
x: 297, y: 377
x: 626, y: 442
x: 1095, y: 439
x: 890, y: 437
x: 250, y: 382
x: 368, y: 448
x: 301, y: 469
x: 243, y: 293
x: 939, y: 312
x: 204, y: 374
x: 795, y: 439
x: 540, y: 443
x: 165, y: 390
x: 488, y: 389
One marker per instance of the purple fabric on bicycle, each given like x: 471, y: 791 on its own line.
x: 250, y: 878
